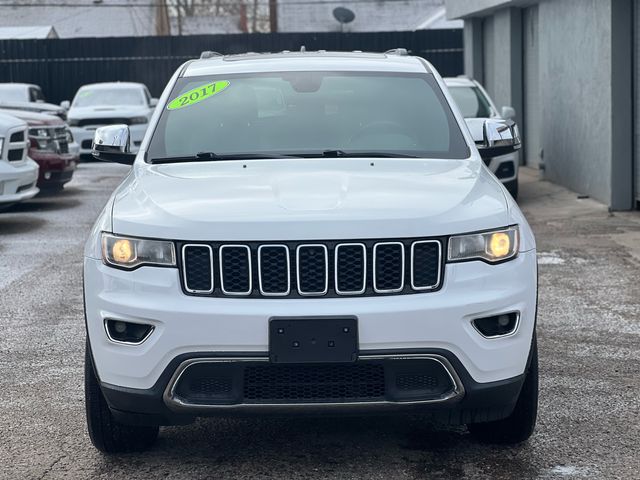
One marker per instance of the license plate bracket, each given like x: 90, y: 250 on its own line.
x: 313, y: 340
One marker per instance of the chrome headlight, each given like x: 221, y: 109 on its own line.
x: 494, y: 246
x: 129, y: 253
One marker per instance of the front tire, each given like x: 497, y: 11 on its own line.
x: 106, y: 434
x: 518, y: 426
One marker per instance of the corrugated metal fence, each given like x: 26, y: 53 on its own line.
x: 61, y: 66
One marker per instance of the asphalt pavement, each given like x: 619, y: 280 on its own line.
x: 589, y: 341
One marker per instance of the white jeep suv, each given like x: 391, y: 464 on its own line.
x: 308, y: 232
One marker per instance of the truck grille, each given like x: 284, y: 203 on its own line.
x: 301, y: 269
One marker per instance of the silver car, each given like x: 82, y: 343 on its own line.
x: 474, y: 103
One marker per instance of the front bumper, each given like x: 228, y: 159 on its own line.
x: 505, y: 167
x: 185, y: 325
x: 18, y: 181
x: 55, y: 169
x: 469, y: 402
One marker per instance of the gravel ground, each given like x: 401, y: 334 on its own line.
x: 588, y: 330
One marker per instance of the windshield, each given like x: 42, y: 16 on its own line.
x: 89, y: 97
x: 13, y: 93
x: 306, y: 113
x: 471, y: 102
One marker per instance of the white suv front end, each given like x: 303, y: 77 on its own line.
x: 18, y: 173
x: 297, y: 241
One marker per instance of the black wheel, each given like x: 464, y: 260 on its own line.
x: 106, y: 434
x: 512, y: 187
x: 518, y: 426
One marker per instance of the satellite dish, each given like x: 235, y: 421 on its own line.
x: 343, y: 15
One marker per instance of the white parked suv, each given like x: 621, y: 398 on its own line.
x: 308, y: 232
x: 18, y: 173
x: 102, y: 104
x: 476, y: 105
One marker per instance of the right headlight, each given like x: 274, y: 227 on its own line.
x: 493, y: 246
x: 129, y: 253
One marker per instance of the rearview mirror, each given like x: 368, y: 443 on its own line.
x: 65, y: 104
x: 153, y: 102
x: 508, y: 113
x: 113, y: 144
x: 494, y: 137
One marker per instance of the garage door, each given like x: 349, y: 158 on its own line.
x: 531, y: 141
x: 636, y: 77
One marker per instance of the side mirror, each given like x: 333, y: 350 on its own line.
x: 494, y: 137
x: 66, y: 104
x: 113, y: 144
x: 153, y: 102
x: 508, y: 113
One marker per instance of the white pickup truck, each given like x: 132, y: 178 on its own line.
x: 18, y: 173
x: 309, y: 232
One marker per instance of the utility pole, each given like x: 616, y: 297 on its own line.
x: 273, y: 16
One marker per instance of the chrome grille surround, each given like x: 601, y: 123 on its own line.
x: 221, y: 263
x: 184, y: 269
x: 336, y: 257
x: 326, y: 270
x: 375, y: 264
x: 439, y: 274
x: 288, y: 268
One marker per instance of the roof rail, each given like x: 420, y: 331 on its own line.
x: 397, y: 51
x: 209, y: 54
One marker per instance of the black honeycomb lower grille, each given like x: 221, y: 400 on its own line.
x: 319, y: 383
x: 306, y: 269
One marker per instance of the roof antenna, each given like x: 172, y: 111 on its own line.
x: 303, y: 49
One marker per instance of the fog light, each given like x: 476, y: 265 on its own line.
x: 497, y: 325
x: 127, y: 332
x: 47, y: 175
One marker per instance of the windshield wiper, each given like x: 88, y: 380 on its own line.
x: 211, y: 156
x: 357, y: 154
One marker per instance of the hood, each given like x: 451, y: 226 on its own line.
x: 8, y: 121
x: 35, y: 119
x: 42, y: 107
x: 319, y: 199
x: 107, y: 111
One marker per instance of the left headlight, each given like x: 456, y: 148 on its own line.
x: 493, y: 246
x: 129, y: 253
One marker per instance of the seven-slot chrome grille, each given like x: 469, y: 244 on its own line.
x: 311, y: 269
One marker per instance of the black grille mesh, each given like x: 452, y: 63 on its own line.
x: 426, y: 257
x: 235, y: 269
x: 197, y: 265
x: 312, y: 268
x: 16, y: 137
x: 416, y: 382
x: 389, y: 266
x: 273, y: 269
x: 314, y: 383
x: 350, y: 264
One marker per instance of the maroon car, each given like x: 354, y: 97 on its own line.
x: 51, y: 146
